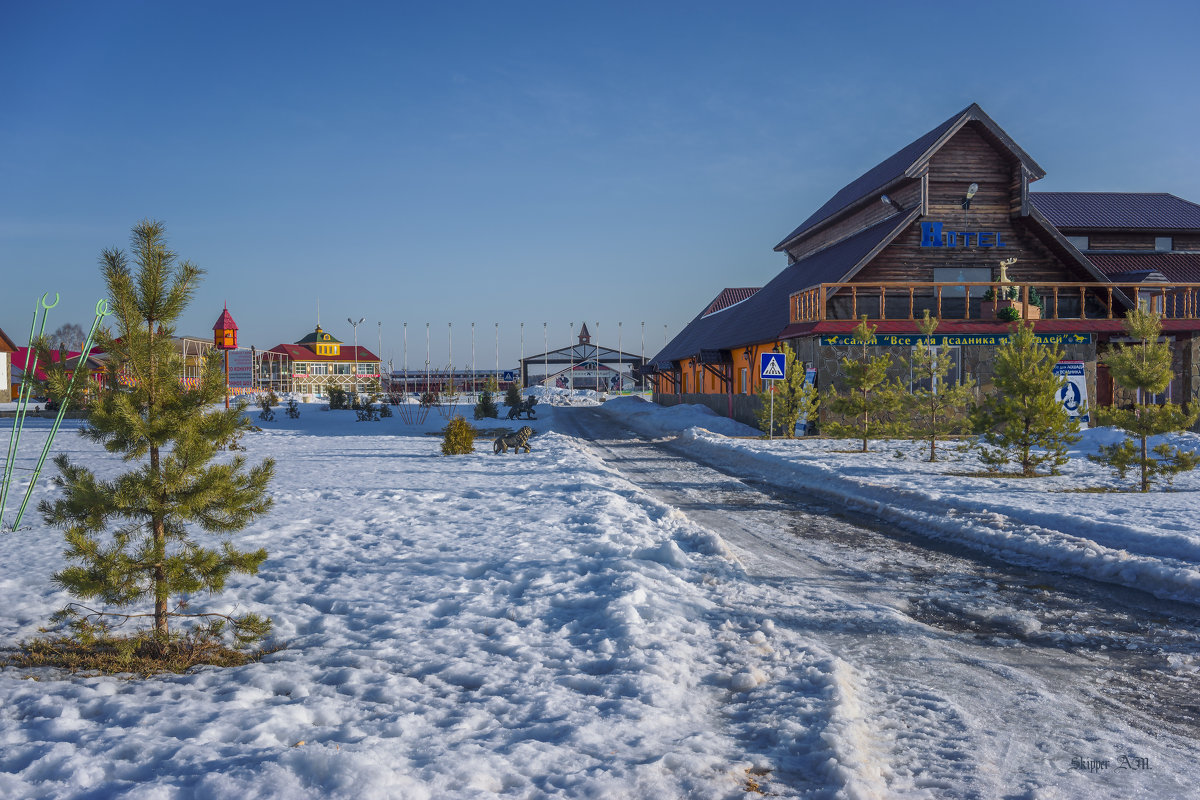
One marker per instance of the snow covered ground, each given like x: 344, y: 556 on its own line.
x: 1146, y: 541
x: 536, y: 626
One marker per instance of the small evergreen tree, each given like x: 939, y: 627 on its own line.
x: 367, y: 411
x: 459, y: 438
x: 486, y: 407
x: 868, y: 397
x: 339, y: 398
x: 1022, y: 418
x: 58, y: 368
x: 1146, y: 367
x: 293, y: 408
x: 429, y: 399
x: 793, y: 398
x: 512, y: 397
x: 935, y: 409
x: 130, y: 538
x: 266, y: 402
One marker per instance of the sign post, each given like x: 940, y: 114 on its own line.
x: 772, y: 367
x: 1073, y: 392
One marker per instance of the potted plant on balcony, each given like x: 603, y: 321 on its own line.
x: 1006, y: 305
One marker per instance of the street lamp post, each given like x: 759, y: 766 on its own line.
x: 597, y: 352
x: 355, y: 325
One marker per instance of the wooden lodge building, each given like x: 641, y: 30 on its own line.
x: 317, y: 362
x: 928, y: 228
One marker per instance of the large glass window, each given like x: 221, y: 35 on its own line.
x: 961, y: 275
x: 319, y: 369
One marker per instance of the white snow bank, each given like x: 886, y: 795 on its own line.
x: 1146, y: 541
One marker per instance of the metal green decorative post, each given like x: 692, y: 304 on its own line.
x: 23, y: 394
x: 81, y: 366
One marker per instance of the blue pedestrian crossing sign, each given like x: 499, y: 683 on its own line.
x: 772, y: 366
x: 510, y: 376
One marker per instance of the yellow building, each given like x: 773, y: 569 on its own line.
x: 320, y: 361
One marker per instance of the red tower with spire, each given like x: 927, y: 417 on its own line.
x: 225, y: 332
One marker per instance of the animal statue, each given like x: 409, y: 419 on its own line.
x: 1004, y: 265
x: 514, y: 440
x: 525, y: 407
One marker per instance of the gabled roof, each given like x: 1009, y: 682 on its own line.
x: 6, y: 344
x: 763, y: 316
x: 1124, y: 210
x: 225, y: 322
x: 908, y: 163
x: 728, y: 298
x: 1175, y: 267
x: 319, y: 336
x: 298, y: 352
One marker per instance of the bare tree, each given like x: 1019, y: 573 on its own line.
x: 68, y: 336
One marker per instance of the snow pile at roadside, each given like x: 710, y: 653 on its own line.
x: 554, y: 396
x: 1146, y: 541
x: 468, y: 627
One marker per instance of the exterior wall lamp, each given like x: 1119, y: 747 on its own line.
x: 971, y: 190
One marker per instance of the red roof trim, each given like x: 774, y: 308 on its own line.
x: 297, y: 352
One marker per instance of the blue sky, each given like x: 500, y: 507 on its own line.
x: 527, y: 162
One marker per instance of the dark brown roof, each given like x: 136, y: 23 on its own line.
x: 1175, y: 267
x: 765, y: 314
x: 6, y: 344
x: 728, y: 298
x: 903, y: 163
x: 1124, y: 210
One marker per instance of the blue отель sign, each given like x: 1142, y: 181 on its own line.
x: 934, y: 234
x: 772, y: 366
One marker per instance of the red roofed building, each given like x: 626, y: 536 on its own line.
x: 319, y: 361
x: 7, y: 348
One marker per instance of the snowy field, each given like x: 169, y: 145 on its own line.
x: 534, y: 625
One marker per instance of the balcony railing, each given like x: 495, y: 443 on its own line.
x: 900, y: 300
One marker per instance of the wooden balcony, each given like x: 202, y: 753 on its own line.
x: 965, y: 301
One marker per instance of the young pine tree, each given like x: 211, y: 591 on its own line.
x: 793, y: 399
x: 1146, y: 367
x: 131, y: 538
x: 1022, y: 417
x: 486, y: 407
x: 935, y: 409
x: 59, y: 369
x: 459, y: 438
x: 512, y: 397
x: 868, y: 396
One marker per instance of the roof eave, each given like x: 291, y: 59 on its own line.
x: 863, y: 200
